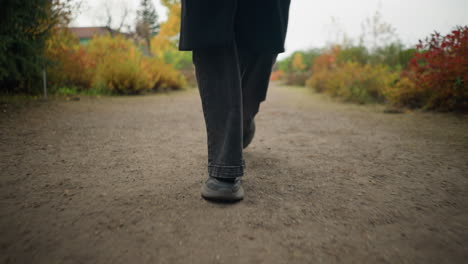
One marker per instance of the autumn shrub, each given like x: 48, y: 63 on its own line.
x: 170, y: 79
x: 109, y: 64
x: 405, y: 92
x: 351, y: 80
x: 122, y: 68
x: 69, y: 63
x: 121, y: 75
x: 296, y: 78
x: 355, y: 82
x: 162, y: 76
x: 358, y: 54
x: 368, y: 83
x: 118, y: 65
x: 180, y: 61
x: 440, y: 72
x: 277, y: 75
x: 296, y: 68
x: 322, y: 69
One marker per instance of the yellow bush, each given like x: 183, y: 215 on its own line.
x: 121, y: 76
x: 298, y: 62
x: 405, y: 92
x: 122, y: 68
x: 161, y: 75
x: 118, y: 65
x: 354, y: 82
x: 109, y: 63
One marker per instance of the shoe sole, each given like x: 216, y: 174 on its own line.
x: 222, y: 195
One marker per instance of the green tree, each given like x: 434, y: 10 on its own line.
x: 357, y: 54
x: 147, y: 24
x: 25, y: 26
x: 307, y: 58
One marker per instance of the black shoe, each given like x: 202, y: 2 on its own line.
x: 249, y: 134
x: 223, y: 190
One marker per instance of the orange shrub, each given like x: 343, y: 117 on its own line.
x: 69, y: 64
x: 277, y: 75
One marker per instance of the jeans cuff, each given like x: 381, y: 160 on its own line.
x: 224, y: 171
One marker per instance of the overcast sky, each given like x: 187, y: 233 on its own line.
x: 310, y: 20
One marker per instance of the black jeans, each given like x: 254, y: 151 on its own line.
x: 232, y: 83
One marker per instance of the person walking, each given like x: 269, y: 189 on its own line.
x: 234, y: 46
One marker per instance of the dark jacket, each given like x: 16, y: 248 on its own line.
x: 255, y: 24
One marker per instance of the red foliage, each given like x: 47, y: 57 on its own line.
x: 277, y: 75
x: 327, y: 60
x: 440, y: 69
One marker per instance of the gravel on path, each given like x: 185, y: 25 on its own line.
x: 117, y: 180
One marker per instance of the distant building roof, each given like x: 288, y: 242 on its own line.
x: 89, y: 32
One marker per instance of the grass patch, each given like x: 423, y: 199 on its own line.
x: 71, y: 90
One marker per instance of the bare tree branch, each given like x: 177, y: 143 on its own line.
x: 126, y: 11
x: 108, y: 14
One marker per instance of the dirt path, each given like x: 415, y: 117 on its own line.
x: 117, y: 180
